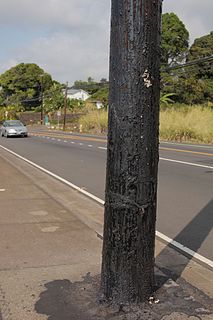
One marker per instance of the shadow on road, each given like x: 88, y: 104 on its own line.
x: 192, y: 236
x: 64, y: 300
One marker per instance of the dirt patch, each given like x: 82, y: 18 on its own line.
x: 64, y: 300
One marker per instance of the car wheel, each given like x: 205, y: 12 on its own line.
x: 2, y: 134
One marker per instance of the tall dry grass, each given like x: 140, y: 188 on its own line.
x: 187, y: 124
x: 95, y: 121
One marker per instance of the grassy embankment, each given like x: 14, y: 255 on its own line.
x: 178, y: 123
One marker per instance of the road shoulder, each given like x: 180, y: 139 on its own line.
x: 49, y: 240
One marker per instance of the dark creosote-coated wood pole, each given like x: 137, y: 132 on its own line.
x: 132, y: 159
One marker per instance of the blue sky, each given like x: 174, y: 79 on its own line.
x: 70, y: 38
x: 12, y: 37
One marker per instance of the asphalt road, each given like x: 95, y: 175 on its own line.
x: 185, y: 192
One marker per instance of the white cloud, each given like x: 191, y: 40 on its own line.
x: 54, y: 13
x: 196, y: 15
x: 7, y: 64
x: 68, y: 58
x: 75, y: 33
x: 76, y: 36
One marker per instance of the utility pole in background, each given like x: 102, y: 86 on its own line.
x: 65, y: 107
x: 132, y: 156
x: 42, y: 101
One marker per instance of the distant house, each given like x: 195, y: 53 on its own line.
x: 99, y: 104
x: 77, y: 94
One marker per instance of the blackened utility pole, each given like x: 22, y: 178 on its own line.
x: 65, y: 107
x: 132, y: 159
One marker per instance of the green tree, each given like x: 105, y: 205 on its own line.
x: 203, y: 71
x: 175, y: 39
x: 101, y: 95
x: 190, y: 90
x: 202, y: 47
x: 90, y: 80
x: 90, y: 86
x: 183, y: 86
x: 1, y: 98
x: 103, y: 81
x: 174, y: 47
x: 24, y: 84
x: 75, y: 105
x: 53, y: 99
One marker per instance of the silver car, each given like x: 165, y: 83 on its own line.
x: 12, y: 128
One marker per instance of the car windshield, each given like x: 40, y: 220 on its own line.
x: 13, y: 124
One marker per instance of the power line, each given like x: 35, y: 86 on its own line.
x: 188, y: 64
x: 188, y: 71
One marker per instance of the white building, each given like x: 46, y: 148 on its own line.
x: 77, y: 94
x: 99, y: 105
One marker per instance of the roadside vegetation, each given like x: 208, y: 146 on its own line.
x: 177, y: 123
x: 187, y: 123
x: 94, y: 122
x: 186, y: 92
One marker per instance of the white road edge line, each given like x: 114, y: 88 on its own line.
x: 181, y: 247
x: 55, y: 176
x: 103, y: 148
x: 158, y: 234
x: 187, y: 163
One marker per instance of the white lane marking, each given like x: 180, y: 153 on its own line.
x: 52, y: 138
x: 184, y: 249
x: 187, y: 163
x: 103, y: 148
x: 186, y: 145
x: 100, y: 201
x: 90, y: 145
x: 65, y: 141
x: 72, y: 142
x: 48, y: 137
x: 81, y: 144
x: 58, y: 139
x: 56, y: 176
x: 2, y: 190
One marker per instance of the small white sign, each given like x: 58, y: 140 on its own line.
x: 58, y: 113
